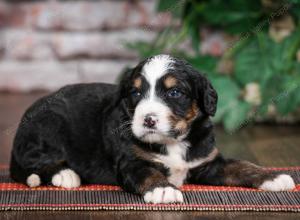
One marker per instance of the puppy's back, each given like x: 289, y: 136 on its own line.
x: 47, y: 126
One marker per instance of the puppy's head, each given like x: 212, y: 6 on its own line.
x: 163, y: 96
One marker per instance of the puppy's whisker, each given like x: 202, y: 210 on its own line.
x: 126, y: 132
x: 124, y: 124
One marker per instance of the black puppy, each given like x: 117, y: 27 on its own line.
x: 150, y: 135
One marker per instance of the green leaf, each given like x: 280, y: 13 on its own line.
x: 284, y: 94
x: 174, y: 7
x: 270, y: 89
x: 235, y: 16
x: 164, y: 5
x: 191, y: 24
x: 248, y: 67
x: 288, y: 99
x: 291, y: 45
x: 236, y: 118
x: 228, y: 93
x: 206, y: 64
x: 295, y: 11
x: 263, y: 58
x: 258, y: 61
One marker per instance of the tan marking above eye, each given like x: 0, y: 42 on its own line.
x: 137, y: 82
x: 170, y: 82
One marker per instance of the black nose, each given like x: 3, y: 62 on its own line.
x: 149, y: 121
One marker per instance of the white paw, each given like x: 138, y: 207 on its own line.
x: 33, y: 180
x: 163, y: 195
x: 281, y: 183
x: 66, y: 178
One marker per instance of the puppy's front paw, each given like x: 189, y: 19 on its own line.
x: 281, y: 183
x: 163, y: 195
x: 66, y: 178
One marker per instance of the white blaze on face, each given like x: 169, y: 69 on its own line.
x: 155, y: 69
x: 151, y: 104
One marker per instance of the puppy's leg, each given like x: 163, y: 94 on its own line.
x: 66, y: 178
x: 38, y: 155
x: 240, y: 173
x: 56, y: 174
x: 142, y: 178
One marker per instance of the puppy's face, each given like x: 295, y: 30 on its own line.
x: 164, y: 96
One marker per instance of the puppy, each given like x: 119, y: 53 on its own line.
x: 150, y: 135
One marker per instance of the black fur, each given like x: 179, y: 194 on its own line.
x: 86, y: 128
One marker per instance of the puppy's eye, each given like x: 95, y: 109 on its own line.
x: 136, y: 93
x: 174, y: 93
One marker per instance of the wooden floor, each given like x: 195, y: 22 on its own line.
x: 265, y: 145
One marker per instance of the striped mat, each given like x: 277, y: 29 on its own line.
x: 14, y: 196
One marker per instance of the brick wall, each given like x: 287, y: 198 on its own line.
x: 47, y: 44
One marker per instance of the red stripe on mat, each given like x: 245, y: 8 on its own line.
x: 211, y: 197
x: 152, y: 205
x: 93, y: 187
x: 21, y: 187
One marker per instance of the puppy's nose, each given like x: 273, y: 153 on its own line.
x: 149, y: 121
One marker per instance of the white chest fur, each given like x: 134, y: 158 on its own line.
x: 178, y: 166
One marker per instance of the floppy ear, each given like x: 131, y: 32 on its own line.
x: 207, y: 97
x: 124, y: 87
x: 125, y: 81
x: 127, y: 76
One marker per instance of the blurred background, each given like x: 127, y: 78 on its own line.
x: 250, y: 50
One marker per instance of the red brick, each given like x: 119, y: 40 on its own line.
x: 100, y: 44
x: 4, y: 13
x: 103, y: 71
x: 28, y: 76
x: 92, y: 15
x: 51, y: 75
x: 25, y: 44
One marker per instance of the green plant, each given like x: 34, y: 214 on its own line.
x: 264, y: 59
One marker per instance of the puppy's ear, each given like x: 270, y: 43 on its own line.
x: 127, y: 76
x: 207, y: 97
x: 125, y: 81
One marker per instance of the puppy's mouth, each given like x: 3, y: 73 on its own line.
x: 155, y: 136
x: 150, y: 132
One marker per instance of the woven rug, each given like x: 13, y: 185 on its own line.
x: 15, y: 196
